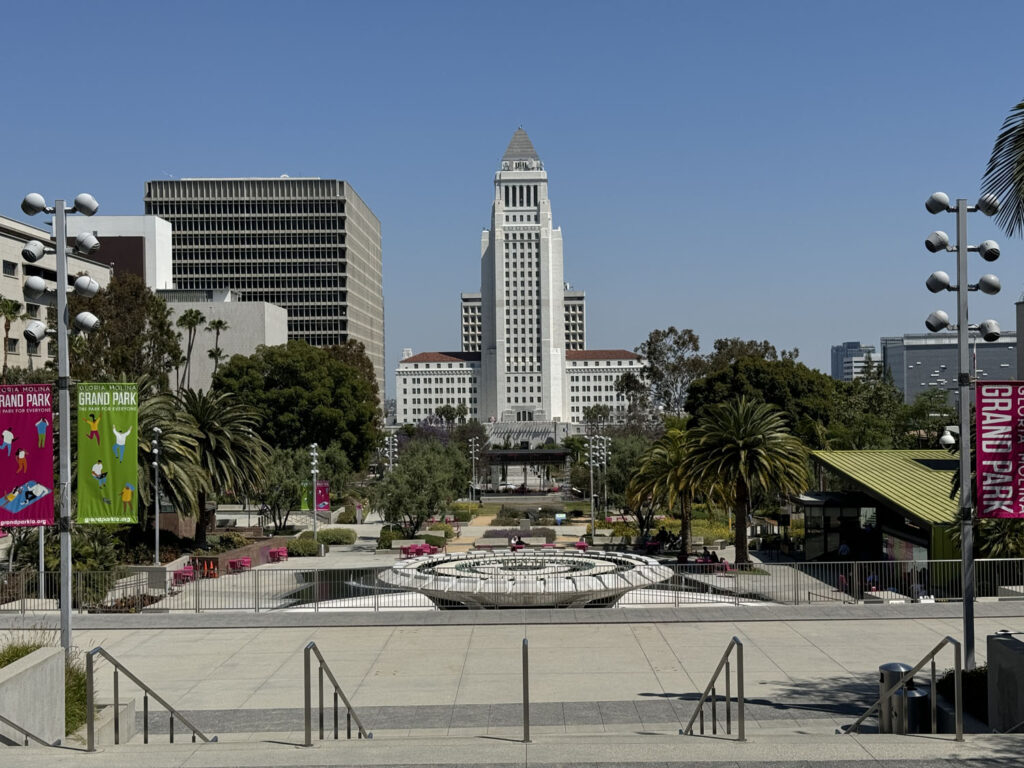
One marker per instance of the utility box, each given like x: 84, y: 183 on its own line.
x: 888, y: 675
x: 1005, y: 681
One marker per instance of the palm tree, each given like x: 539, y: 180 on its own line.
x: 742, y: 447
x: 11, y: 311
x: 180, y: 477
x: 190, y: 320
x: 231, y: 454
x: 661, y: 478
x: 1004, y: 175
x: 216, y: 326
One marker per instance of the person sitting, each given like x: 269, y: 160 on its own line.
x: 714, y: 558
x: 663, y: 536
x: 705, y: 556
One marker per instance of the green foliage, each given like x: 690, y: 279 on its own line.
x: 993, y: 537
x: 341, y: 536
x: 671, y: 362
x: 446, y: 530
x: 387, y: 535
x: 463, y: 512
x: 306, y: 395
x: 741, y: 448
x: 281, y: 489
x: 434, y: 541
x: 19, y: 645
x: 422, y: 485
x: 135, y: 337
x: 225, y: 542
x: 1003, y: 176
x: 303, y: 547
x: 974, y: 691
x: 549, y: 534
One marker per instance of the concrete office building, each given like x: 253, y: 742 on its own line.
x: 309, y: 245
x: 21, y: 353
x: 139, y: 245
x: 250, y: 324
x: 923, y: 361
x: 850, y: 358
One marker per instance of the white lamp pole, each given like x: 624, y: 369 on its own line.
x: 156, y: 495
x: 989, y: 330
x: 32, y: 204
x: 313, y: 455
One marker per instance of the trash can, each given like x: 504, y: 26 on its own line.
x: 888, y: 675
x: 321, y: 550
x: 911, y: 710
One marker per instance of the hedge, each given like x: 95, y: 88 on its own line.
x: 304, y: 547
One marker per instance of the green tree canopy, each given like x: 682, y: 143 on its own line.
x: 305, y: 395
x: 427, y: 478
x: 740, y: 448
x: 135, y: 337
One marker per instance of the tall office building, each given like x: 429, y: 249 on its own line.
x: 522, y: 350
x: 309, y: 245
x: 849, y: 360
x: 923, y: 361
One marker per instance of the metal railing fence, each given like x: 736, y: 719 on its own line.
x: 314, y: 589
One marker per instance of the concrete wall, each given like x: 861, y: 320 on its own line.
x: 1005, y: 682
x: 32, y: 695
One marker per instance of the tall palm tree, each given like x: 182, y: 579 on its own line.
x: 190, y: 320
x: 661, y: 477
x: 1004, y: 175
x: 232, y: 455
x: 217, y: 326
x: 180, y: 477
x: 742, y: 447
x: 11, y: 311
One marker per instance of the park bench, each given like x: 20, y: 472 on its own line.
x: 494, y: 543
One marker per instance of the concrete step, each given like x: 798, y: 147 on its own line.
x: 545, y: 748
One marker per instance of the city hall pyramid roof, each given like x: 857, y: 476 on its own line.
x: 520, y: 148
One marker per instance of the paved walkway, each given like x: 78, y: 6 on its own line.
x: 611, y: 686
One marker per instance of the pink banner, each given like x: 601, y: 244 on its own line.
x: 323, y: 496
x: 999, y: 450
x: 26, y: 455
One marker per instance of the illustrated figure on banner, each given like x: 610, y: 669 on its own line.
x: 94, y: 427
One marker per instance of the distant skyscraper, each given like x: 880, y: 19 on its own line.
x: 309, y: 245
x: 849, y: 360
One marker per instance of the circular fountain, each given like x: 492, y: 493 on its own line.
x: 540, y: 578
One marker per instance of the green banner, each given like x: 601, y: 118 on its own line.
x: 108, y: 472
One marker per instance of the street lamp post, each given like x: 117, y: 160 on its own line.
x: 313, y: 456
x: 156, y: 495
x: 33, y: 251
x: 473, y: 448
x: 989, y: 330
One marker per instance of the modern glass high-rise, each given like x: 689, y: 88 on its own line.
x: 309, y: 245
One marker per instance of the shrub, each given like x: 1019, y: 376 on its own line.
x: 332, y: 535
x: 347, y: 516
x: 507, y: 533
x: 447, y: 530
x: 304, y: 547
x: 975, y: 690
x: 387, y: 535
x: 74, y: 678
x: 227, y: 541
x: 434, y: 541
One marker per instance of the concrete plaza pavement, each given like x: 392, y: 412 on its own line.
x: 607, y: 686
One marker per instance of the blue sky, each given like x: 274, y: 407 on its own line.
x: 746, y: 169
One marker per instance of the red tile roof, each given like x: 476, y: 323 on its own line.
x: 600, y: 354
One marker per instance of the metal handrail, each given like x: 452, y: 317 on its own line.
x: 147, y: 692
x: 350, y: 713
x: 710, y: 691
x: 28, y: 734
x: 958, y: 703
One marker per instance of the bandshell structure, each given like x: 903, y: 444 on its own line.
x: 528, y: 578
